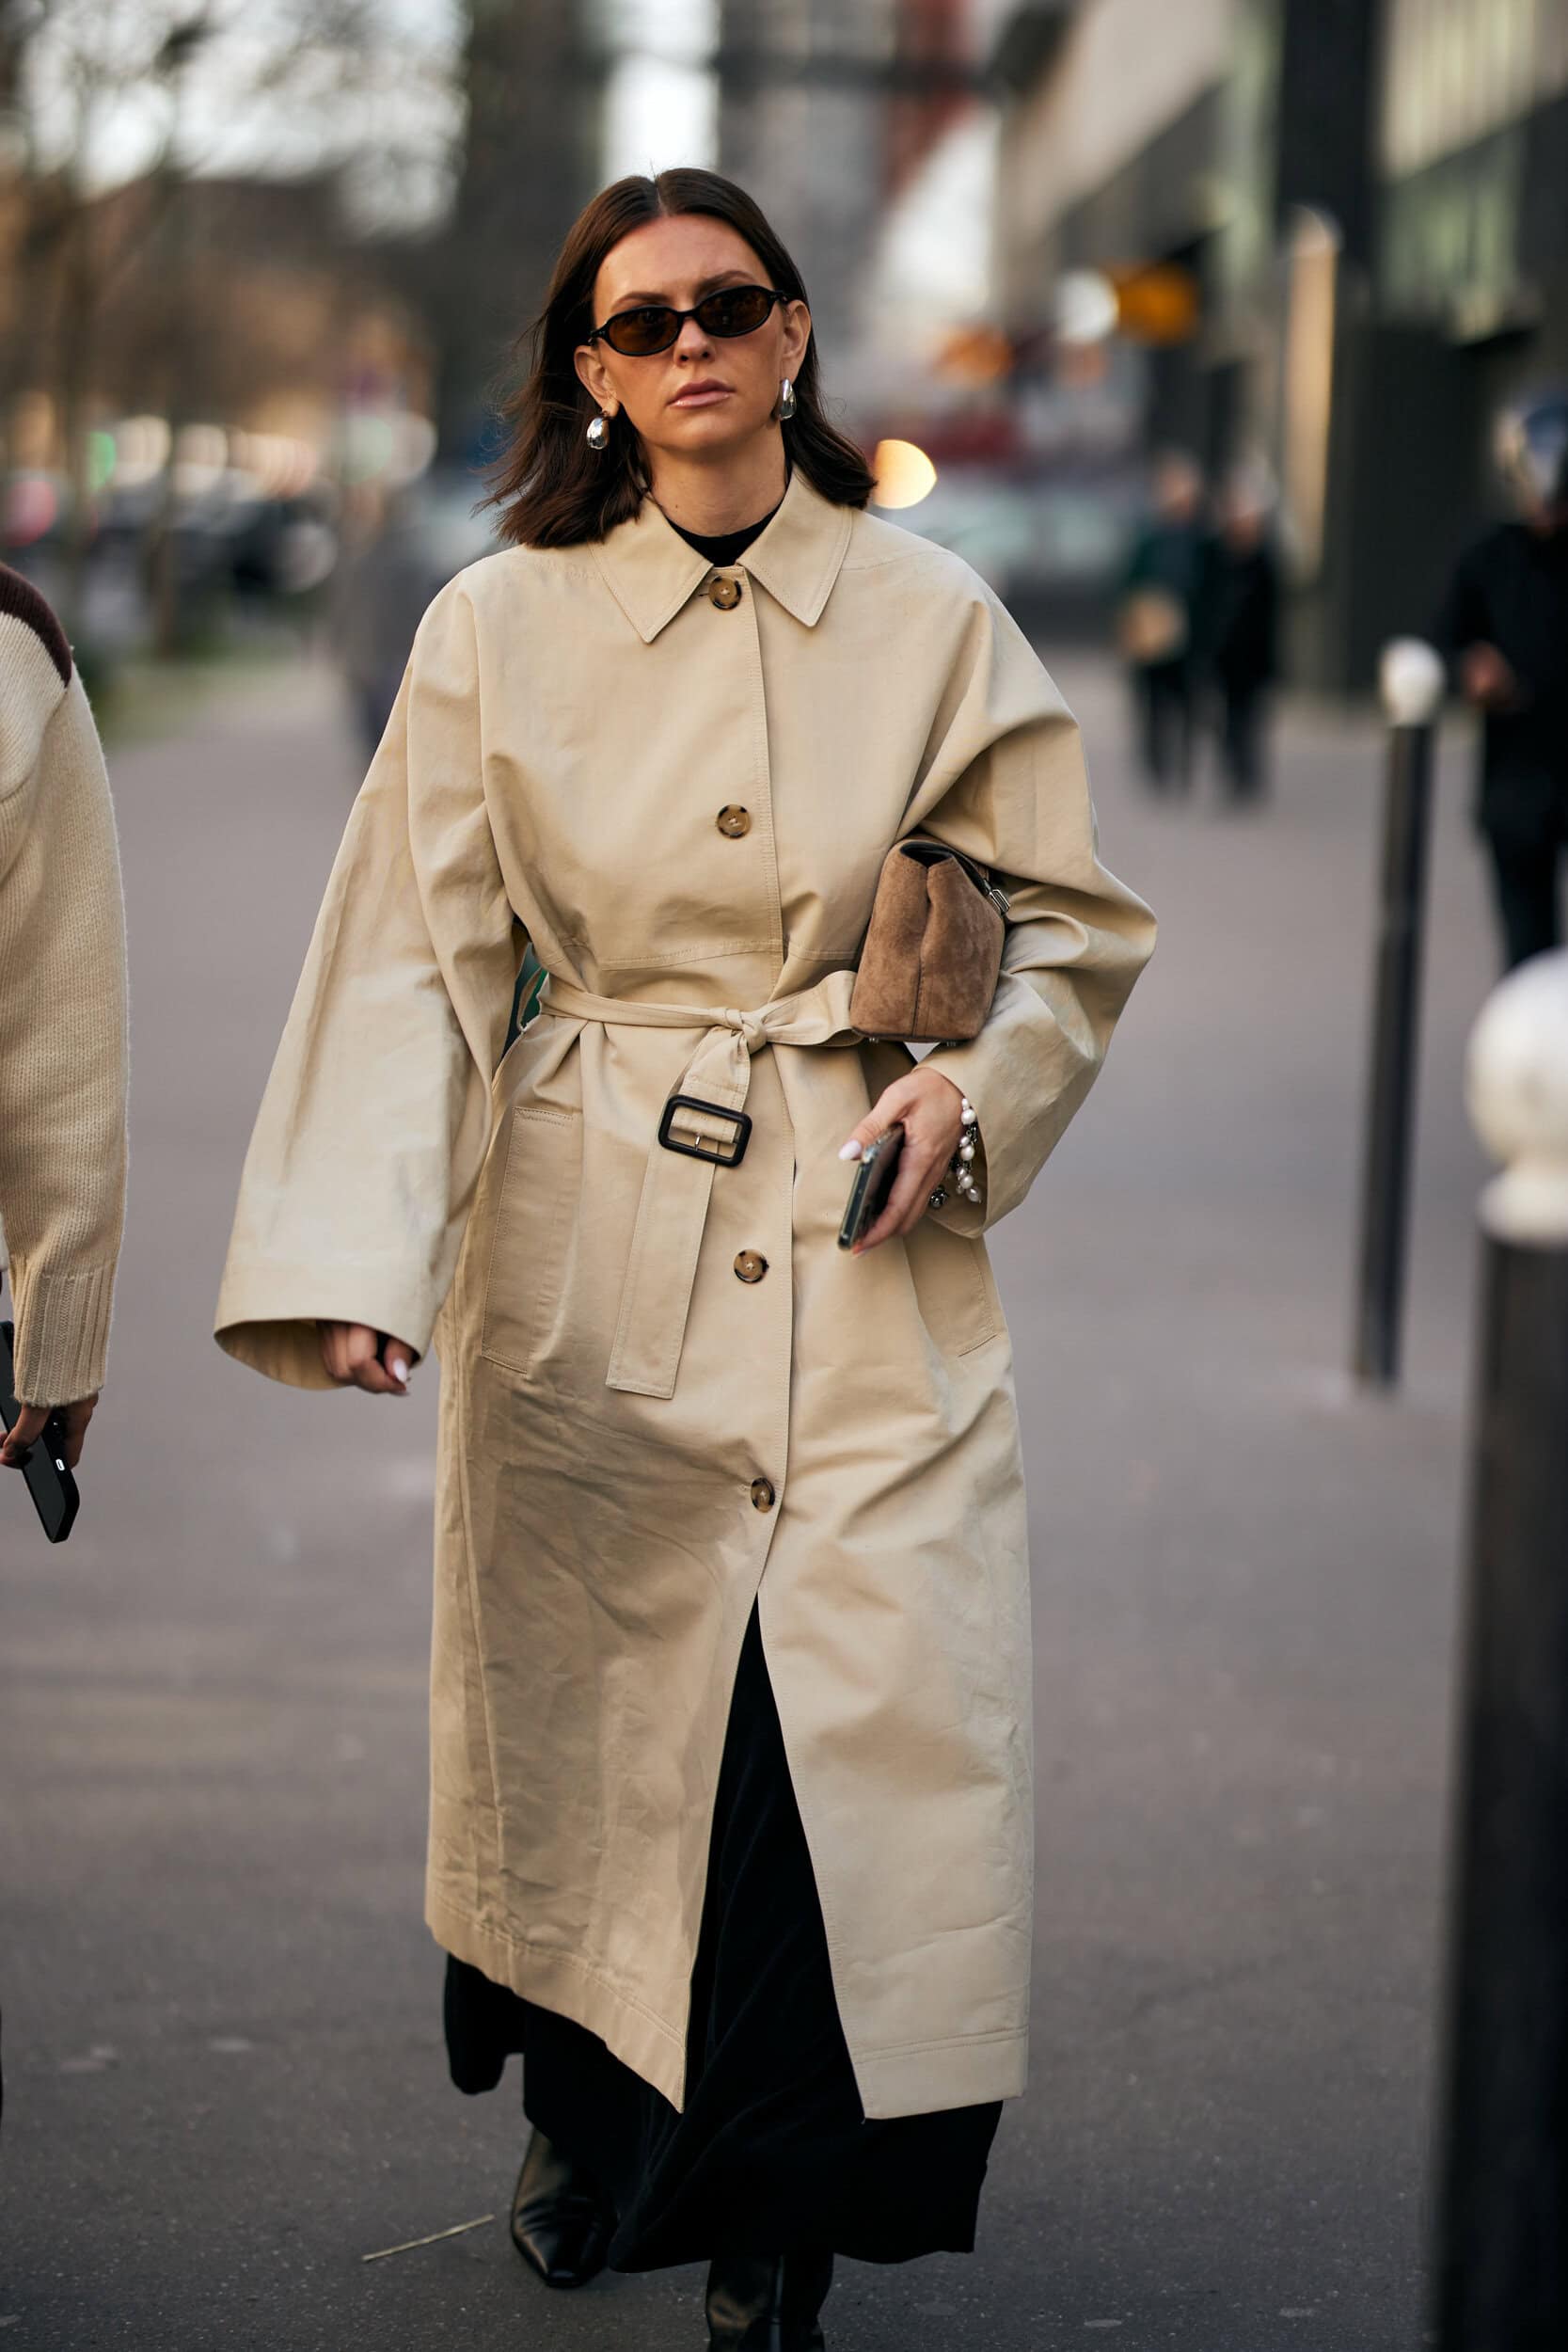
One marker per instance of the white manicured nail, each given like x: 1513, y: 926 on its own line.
x: 849, y: 1150
x: 399, y: 1370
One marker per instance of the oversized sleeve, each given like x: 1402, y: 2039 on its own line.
x: 62, y: 1032
x: 1007, y: 784
x: 377, y: 1117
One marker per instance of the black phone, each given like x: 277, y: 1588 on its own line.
x: 879, y: 1166
x: 51, y: 1487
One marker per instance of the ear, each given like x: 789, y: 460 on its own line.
x: 797, y: 335
x: 593, y: 372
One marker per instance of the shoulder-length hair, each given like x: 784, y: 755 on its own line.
x: 552, y: 489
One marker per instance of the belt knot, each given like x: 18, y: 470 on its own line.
x: 751, y: 1027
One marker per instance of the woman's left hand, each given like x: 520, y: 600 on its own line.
x: 930, y: 1109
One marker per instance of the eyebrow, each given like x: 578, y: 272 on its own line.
x: 704, y: 285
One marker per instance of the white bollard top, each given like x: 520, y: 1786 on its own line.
x: 1412, y: 681
x: 1517, y: 1086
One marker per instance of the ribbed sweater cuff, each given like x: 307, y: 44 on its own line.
x: 62, y: 1332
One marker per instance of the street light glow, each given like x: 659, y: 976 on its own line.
x: 1084, y: 308
x: 904, y: 474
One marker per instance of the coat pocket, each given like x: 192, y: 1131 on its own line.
x: 954, y: 1287
x: 525, y: 1279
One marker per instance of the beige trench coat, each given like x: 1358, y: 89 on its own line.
x: 664, y: 1388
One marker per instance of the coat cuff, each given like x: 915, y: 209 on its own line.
x: 62, y: 1332
x: 1025, y: 1089
x: 970, y: 1068
x: 267, y: 1316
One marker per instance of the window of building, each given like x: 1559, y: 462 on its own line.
x: 1454, y: 69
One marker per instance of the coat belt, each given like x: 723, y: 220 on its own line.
x: 661, y: 1268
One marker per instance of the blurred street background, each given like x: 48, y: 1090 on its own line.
x: 259, y: 268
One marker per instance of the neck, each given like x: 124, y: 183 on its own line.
x: 723, y: 493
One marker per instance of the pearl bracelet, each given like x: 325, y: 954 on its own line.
x: 961, y: 1166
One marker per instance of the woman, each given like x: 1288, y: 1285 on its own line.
x: 730, y: 1820
x: 1239, y: 627
x: 1160, y: 592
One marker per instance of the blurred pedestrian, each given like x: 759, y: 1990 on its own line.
x: 383, y: 582
x: 63, y: 1026
x: 1504, y: 631
x: 1237, y: 628
x: 1160, y: 589
x: 731, y: 1828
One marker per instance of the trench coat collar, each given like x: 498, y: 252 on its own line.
x: 651, y: 570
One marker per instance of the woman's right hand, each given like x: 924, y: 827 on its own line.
x: 1487, y: 680
x: 357, y: 1357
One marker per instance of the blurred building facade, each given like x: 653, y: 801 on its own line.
x: 1364, y: 199
x: 823, y: 109
x: 532, y: 75
x: 826, y: 110
x: 800, y: 126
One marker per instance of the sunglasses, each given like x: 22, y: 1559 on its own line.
x: 733, y: 310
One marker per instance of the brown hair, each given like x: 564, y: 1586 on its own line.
x: 552, y: 489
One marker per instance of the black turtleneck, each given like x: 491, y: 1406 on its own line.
x: 723, y: 547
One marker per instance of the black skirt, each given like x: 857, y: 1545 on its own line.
x: 772, y: 2153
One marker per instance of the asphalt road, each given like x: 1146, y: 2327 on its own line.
x: 224, y: 2083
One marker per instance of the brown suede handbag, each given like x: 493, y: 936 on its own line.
x: 933, y: 950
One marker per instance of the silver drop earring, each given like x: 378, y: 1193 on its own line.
x: 598, y: 435
x: 786, y: 401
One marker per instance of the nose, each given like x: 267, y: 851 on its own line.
x: 692, y: 342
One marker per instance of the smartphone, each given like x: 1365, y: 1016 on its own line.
x: 50, y: 1484
x: 873, y: 1175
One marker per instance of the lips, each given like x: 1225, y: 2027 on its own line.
x: 699, y: 394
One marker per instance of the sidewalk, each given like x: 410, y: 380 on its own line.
x: 1246, y: 1586
x: 224, y: 2075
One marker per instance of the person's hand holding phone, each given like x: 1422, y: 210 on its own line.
x: 30, y: 1424
x: 44, y: 1444
x: 357, y: 1357
x: 930, y: 1109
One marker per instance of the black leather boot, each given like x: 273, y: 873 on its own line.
x: 766, y: 2302
x: 561, y: 2220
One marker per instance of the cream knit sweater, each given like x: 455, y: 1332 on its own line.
x: 62, y: 1010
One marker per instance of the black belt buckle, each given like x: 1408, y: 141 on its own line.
x: 716, y: 1155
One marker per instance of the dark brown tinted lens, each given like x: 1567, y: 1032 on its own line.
x: 636, y: 333
x: 734, y: 311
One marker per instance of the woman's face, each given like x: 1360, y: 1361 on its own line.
x: 706, y: 395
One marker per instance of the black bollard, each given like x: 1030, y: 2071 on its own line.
x: 1501, y: 2268
x: 1412, y: 680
